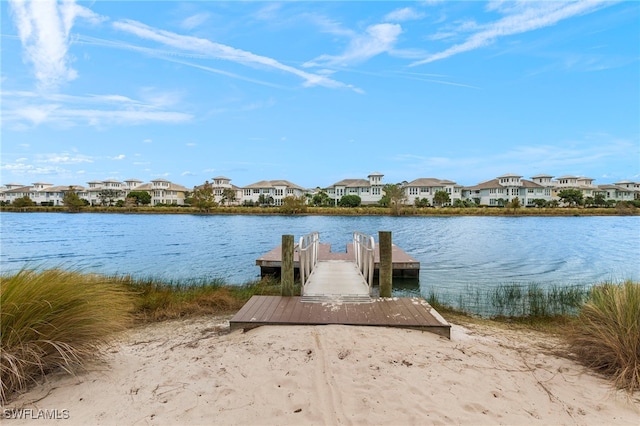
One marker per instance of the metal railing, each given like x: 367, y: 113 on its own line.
x: 307, y: 255
x: 364, y: 248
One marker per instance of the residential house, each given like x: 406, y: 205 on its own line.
x: 164, y: 192
x: 421, y: 188
x: 41, y: 193
x: 369, y: 190
x: 12, y: 191
x: 222, y: 183
x: 275, y: 190
x: 634, y: 186
x: 505, y: 188
x: 615, y: 192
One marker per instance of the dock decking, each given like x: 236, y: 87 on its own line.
x: 332, y: 278
x: 405, y: 312
x: 403, y: 265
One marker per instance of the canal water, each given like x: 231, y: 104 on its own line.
x: 455, y: 253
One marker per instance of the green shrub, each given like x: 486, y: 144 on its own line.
x: 606, y: 334
x: 54, y: 319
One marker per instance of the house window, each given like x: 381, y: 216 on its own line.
x: 256, y: 191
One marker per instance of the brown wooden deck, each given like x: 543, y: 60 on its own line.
x: 403, y: 264
x: 403, y: 312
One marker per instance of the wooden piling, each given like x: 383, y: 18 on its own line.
x: 386, y: 263
x: 286, y: 274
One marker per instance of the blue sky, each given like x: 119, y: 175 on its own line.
x: 315, y: 92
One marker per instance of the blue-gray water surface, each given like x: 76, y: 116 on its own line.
x: 454, y: 252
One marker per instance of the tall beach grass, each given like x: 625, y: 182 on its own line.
x: 606, y: 333
x: 55, y: 319
x: 514, y: 300
x: 157, y: 300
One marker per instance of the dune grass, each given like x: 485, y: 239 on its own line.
x: 54, y: 319
x: 157, y: 300
x: 606, y: 334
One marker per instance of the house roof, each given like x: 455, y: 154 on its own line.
x: 353, y: 183
x: 615, y: 187
x: 273, y: 184
x: 431, y: 182
x: 542, y: 175
x: 172, y: 186
x: 495, y: 183
x: 20, y: 189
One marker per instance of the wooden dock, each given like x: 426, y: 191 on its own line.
x: 405, y: 312
x: 336, y: 279
x: 404, y: 266
x: 337, y: 288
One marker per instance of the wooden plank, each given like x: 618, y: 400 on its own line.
x: 396, y: 312
x: 335, y: 277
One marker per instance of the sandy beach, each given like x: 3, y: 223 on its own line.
x: 194, y: 372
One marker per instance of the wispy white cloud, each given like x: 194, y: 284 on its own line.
x: 190, y: 45
x: 329, y: 26
x: 377, y: 39
x: 435, y: 78
x: 63, y: 158
x: 119, y: 157
x: 403, y: 14
x: 24, y: 169
x: 44, y: 29
x: 23, y: 108
x: 195, y: 21
x: 520, y: 17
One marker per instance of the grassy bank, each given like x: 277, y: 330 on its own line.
x: 345, y: 211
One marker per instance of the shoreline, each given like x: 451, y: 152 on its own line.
x: 194, y: 371
x: 347, y: 211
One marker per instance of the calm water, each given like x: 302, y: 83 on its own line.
x: 454, y: 252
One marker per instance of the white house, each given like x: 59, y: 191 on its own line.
x: 633, y: 186
x: 12, y: 191
x: 369, y: 190
x: 164, y: 192
x: 276, y: 189
x: 615, y: 192
x: 41, y: 193
x: 427, y: 187
x: 219, y: 184
x: 506, y: 188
